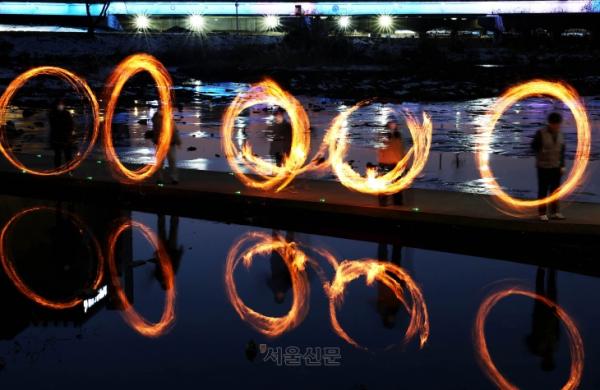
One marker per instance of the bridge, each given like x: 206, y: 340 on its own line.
x: 326, y: 8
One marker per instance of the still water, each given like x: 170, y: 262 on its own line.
x: 208, y: 344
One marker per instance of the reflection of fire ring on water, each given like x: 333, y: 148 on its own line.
x: 567, y: 95
x: 81, y: 88
x: 18, y: 282
x: 135, y: 320
x: 128, y: 68
x: 483, y: 355
x: 270, y: 175
x: 392, y: 276
x: 396, y: 180
x: 295, y: 260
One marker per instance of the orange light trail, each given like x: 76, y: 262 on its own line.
x: 396, y: 180
x: 81, y: 88
x: 483, y: 355
x: 12, y: 274
x: 270, y: 176
x: 391, y: 276
x: 128, y: 68
x: 295, y: 260
x: 135, y: 320
x: 560, y: 91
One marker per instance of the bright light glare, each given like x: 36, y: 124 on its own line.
x: 196, y: 22
x: 386, y: 22
x: 271, y: 22
x: 344, y: 22
x: 141, y: 22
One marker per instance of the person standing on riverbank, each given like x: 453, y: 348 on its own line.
x: 389, y: 156
x: 549, y: 147
x: 61, y: 132
x: 282, y: 136
x: 172, y: 153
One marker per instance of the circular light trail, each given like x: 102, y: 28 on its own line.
x: 391, y: 276
x: 133, y: 318
x: 295, y: 260
x: 567, y: 95
x: 128, y: 68
x: 483, y: 355
x: 81, y: 88
x: 12, y: 274
x: 270, y: 176
x: 397, y: 179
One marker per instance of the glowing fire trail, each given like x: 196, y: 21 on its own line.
x: 295, y: 260
x: 12, y: 274
x: 391, y: 182
x: 483, y: 355
x: 391, y: 276
x: 128, y: 68
x: 81, y: 88
x: 566, y: 94
x: 135, y: 320
x: 270, y: 176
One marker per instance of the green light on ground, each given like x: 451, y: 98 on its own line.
x: 416, y: 209
x: 322, y: 200
x: 238, y: 192
x: 160, y: 184
x: 39, y: 156
x: 89, y: 178
x: 23, y: 171
x: 98, y: 161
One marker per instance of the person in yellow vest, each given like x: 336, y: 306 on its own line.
x: 389, y: 155
x: 549, y: 147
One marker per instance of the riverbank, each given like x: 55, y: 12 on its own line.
x: 339, y: 67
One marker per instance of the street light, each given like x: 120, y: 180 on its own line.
x: 344, y: 22
x: 196, y: 23
x: 141, y: 22
x: 271, y: 22
x: 385, y: 22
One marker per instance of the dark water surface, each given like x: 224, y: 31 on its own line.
x: 208, y: 344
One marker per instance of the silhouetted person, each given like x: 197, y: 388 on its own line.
x: 387, y: 302
x: 172, y: 153
x: 61, y: 132
x: 170, y: 243
x: 282, y: 136
x: 388, y: 157
x: 545, y: 326
x: 280, y: 280
x: 549, y: 147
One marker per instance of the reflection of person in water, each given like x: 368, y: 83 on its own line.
x: 280, y: 280
x: 545, y: 325
x: 171, y: 244
x: 387, y: 303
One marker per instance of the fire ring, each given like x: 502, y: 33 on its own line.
x: 20, y: 284
x: 81, y: 87
x: 126, y: 69
x: 270, y: 176
x: 572, y: 100
x: 391, y: 182
x: 389, y: 274
x: 483, y: 355
x: 295, y: 261
x: 135, y: 320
